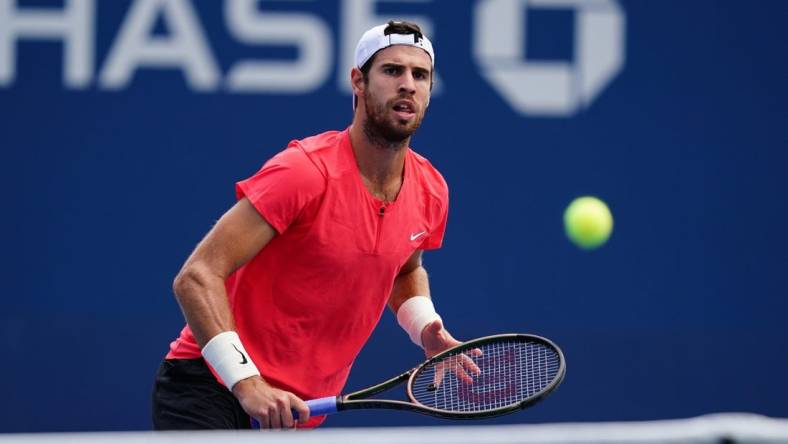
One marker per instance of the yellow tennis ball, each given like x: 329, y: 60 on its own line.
x: 588, y: 222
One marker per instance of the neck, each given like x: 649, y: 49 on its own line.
x: 381, y: 162
x: 377, y: 140
x: 382, y: 167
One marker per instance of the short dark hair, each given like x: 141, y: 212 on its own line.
x: 393, y: 27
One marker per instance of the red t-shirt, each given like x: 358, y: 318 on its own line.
x: 309, y: 300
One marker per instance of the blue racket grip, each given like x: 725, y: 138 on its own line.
x: 317, y: 407
x: 320, y: 406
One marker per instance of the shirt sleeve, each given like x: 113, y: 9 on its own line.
x: 283, y: 187
x: 438, y: 218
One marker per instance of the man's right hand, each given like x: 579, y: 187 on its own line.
x: 269, y: 405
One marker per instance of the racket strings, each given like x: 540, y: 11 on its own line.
x: 508, y: 373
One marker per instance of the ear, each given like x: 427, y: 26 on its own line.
x: 357, y: 82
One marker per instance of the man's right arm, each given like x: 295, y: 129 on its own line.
x: 199, y: 287
x: 200, y: 290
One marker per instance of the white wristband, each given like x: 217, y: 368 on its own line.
x: 229, y: 358
x: 414, y: 314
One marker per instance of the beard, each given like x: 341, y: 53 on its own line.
x: 384, y: 131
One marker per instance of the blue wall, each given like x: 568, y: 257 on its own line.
x: 106, y: 191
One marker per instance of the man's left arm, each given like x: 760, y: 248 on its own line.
x: 411, y: 293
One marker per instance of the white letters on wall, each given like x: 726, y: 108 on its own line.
x: 73, y: 24
x: 310, y: 34
x: 183, y: 47
x: 498, y: 36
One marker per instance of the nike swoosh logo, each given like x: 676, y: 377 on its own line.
x: 243, y: 356
x: 415, y: 236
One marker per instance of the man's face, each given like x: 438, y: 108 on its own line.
x: 397, y: 91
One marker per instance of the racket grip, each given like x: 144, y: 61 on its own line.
x: 321, y: 406
x: 317, y: 407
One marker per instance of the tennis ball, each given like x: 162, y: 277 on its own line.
x: 588, y: 222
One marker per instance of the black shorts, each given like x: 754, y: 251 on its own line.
x: 186, y: 396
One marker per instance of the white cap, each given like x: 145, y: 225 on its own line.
x: 375, y: 39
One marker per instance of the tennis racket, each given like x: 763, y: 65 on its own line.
x: 485, y: 377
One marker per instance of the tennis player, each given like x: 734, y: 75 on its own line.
x: 282, y: 293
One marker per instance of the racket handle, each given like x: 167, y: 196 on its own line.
x: 321, y: 406
x: 317, y: 407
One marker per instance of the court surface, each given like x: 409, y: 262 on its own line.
x: 712, y: 429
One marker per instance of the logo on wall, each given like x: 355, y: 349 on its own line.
x: 533, y: 88
x: 549, y: 88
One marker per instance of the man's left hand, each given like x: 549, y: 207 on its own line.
x: 435, y: 338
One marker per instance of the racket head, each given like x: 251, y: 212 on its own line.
x: 489, y: 376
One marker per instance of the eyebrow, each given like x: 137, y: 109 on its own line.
x: 400, y: 65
